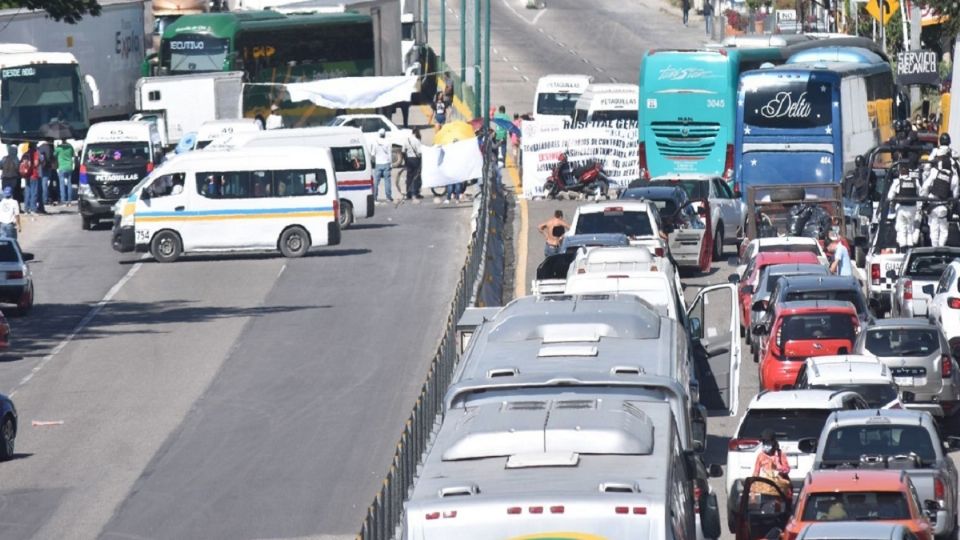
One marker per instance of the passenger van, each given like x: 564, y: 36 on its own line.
x: 214, y: 129
x: 255, y: 199
x: 115, y: 157
x: 352, y: 169
x: 611, y: 103
x: 556, y: 96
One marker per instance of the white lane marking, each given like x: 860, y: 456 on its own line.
x: 614, y: 80
x: 515, y: 68
x: 540, y: 30
x: 505, y: 59
x: 80, y: 326
x: 525, y: 78
x: 495, y: 51
x: 585, y: 61
x: 515, y: 12
x: 282, y: 268
x: 537, y: 18
x: 600, y: 69
x: 562, y: 44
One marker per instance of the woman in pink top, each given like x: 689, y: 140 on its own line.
x: 772, y: 463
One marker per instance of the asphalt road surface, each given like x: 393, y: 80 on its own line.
x: 242, y: 396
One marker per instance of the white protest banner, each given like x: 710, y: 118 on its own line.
x: 352, y: 92
x: 614, y: 146
x: 451, y: 163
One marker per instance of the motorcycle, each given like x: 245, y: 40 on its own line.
x: 588, y: 178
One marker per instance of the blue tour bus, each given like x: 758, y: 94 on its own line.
x: 807, y: 120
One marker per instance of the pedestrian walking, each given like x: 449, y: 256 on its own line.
x: 907, y: 185
x: 10, y: 171
x: 47, y: 172
x: 708, y: 16
x: 553, y: 230
x: 439, y: 110
x: 9, y: 215
x: 381, y: 152
x: 412, y: 157
x: 30, y: 174
x: 65, y: 159
x: 685, y: 5
x: 274, y: 121
x: 502, y: 121
x: 841, y: 256
x: 942, y: 186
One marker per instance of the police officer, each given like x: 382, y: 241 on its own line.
x: 905, y: 185
x: 940, y: 185
x: 944, y: 150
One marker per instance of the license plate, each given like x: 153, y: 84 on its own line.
x: 910, y: 381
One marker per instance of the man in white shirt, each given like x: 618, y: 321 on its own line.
x: 274, y: 121
x: 382, y: 153
x: 9, y: 215
x: 412, y: 155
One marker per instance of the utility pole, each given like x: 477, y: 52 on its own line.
x: 463, y: 45
x: 443, y: 30
x: 486, y: 70
x: 915, y: 29
x: 476, y: 58
x: 425, y: 17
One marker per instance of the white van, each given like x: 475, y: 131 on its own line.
x: 115, y: 157
x: 607, y: 102
x: 214, y: 129
x: 254, y: 199
x: 353, y: 171
x: 557, y: 95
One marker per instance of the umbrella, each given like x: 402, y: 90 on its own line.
x: 507, y: 125
x: 453, y: 132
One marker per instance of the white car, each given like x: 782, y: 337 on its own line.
x: 16, y: 280
x: 370, y: 125
x: 789, y: 244
x: 793, y: 415
x: 865, y: 375
x: 944, y: 308
x: 727, y: 211
x: 638, y: 220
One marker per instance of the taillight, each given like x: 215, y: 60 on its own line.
x: 149, y: 166
x: 953, y: 303
x: 946, y: 366
x: 513, y: 510
x: 875, y: 274
x: 742, y: 445
x: 433, y: 515
x: 15, y: 274
x: 637, y: 510
x: 557, y: 509
x: 736, y: 189
x: 728, y: 163
x: 535, y: 509
x: 776, y: 343
x: 642, y: 158
x: 907, y: 289
x: 336, y: 210
x: 658, y: 252
x: 938, y: 489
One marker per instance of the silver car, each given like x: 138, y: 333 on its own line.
x: 921, y: 266
x: 919, y: 358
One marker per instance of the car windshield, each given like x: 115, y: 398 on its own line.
x: 929, y: 265
x: 633, y: 224
x: 856, y: 506
x: 787, y: 424
x: 848, y: 445
x: 696, y: 189
x: 8, y: 253
x: 902, y: 341
x: 876, y: 395
x: 842, y: 295
x: 117, y: 154
x: 818, y: 326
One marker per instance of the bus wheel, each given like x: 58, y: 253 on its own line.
x: 294, y: 242
x: 166, y: 246
x: 346, y: 213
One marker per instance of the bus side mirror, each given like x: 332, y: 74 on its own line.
x: 94, y: 89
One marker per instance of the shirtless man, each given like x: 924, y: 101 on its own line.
x: 553, y: 230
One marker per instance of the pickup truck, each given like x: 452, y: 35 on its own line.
x: 921, y: 266
x: 897, y: 440
x: 883, y: 258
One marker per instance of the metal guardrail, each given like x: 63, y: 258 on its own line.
x: 384, y: 515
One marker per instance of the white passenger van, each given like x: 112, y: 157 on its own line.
x: 556, y: 96
x: 214, y: 129
x: 615, y: 104
x: 254, y: 199
x: 353, y: 171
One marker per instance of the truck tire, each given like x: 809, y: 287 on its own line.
x: 788, y: 194
x: 7, y: 439
x: 294, y: 242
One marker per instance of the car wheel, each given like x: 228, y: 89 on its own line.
x: 294, y: 242
x: 166, y: 246
x: 346, y: 213
x: 718, y: 243
x: 7, y: 438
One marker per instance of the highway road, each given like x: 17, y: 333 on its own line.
x: 246, y: 396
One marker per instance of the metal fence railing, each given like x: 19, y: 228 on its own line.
x: 386, y: 512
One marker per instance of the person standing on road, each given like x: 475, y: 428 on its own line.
x: 841, y: 256
x: 30, y: 173
x: 502, y: 121
x: 412, y: 163
x: 381, y: 152
x: 942, y: 186
x: 708, y: 16
x: 65, y: 158
x: 10, y: 171
x: 906, y: 185
x: 448, y: 90
x: 685, y: 5
x: 9, y: 215
x: 553, y: 230
x: 274, y: 121
x: 440, y: 110
x: 47, y: 171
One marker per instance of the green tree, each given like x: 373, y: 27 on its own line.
x: 69, y: 11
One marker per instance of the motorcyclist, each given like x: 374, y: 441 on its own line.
x: 941, y: 186
x: 905, y: 185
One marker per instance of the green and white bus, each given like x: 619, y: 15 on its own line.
x: 270, y: 47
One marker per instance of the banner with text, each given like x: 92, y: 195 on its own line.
x: 613, y: 144
x: 917, y: 67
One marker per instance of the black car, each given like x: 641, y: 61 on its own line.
x: 8, y: 427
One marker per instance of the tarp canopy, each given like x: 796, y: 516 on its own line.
x: 352, y: 92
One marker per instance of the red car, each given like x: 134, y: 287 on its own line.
x: 751, y: 274
x: 801, y: 330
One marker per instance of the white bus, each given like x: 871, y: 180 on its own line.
x: 557, y: 95
x: 249, y: 200
x: 608, y: 102
x: 215, y: 129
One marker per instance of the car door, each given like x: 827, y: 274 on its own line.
x: 733, y: 210
x: 714, y: 320
x: 940, y: 294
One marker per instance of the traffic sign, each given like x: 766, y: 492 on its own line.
x: 882, y: 10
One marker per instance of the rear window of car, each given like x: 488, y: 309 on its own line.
x: 929, y: 266
x: 818, y: 326
x: 843, y: 295
x: 8, y: 253
x: 635, y: 223
x: 852, y: 443
x: 856, y: 506
x: 787, y: 424
x: 876, y: 395
x: 696, y: 189
x: 902, y: 341
x: 790, y: 248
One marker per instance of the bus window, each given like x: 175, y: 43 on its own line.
x: 294, y: 183
x: 191, y: 53
x: 348, y: 159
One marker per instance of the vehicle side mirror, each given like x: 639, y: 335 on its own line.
x: 698, y: 431
x: 759, y: 329
x: 696, y: 328
x: 907, y: 397
x: 760, y: 305
x: 927, y: 289
x: 27, y: 257
x: 714, y: 470
x: 733, y: 278
x: 144, y: 194
x: 808, y: 445
x: 952, y: 442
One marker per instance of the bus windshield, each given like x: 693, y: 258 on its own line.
x: 191, y: 53
x: 559, y: 104
x: 786, y: 103
x: 42, y: 101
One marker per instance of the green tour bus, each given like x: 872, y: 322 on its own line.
x: 270, y: 47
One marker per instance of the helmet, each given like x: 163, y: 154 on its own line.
x: 944, y: 139
x: 859, y: 161
x: 898, y: 125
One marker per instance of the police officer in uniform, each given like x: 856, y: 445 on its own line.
x: 940, y: 185
x: 905, y: 185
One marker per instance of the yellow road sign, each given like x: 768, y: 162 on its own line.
x: 882, y: 10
